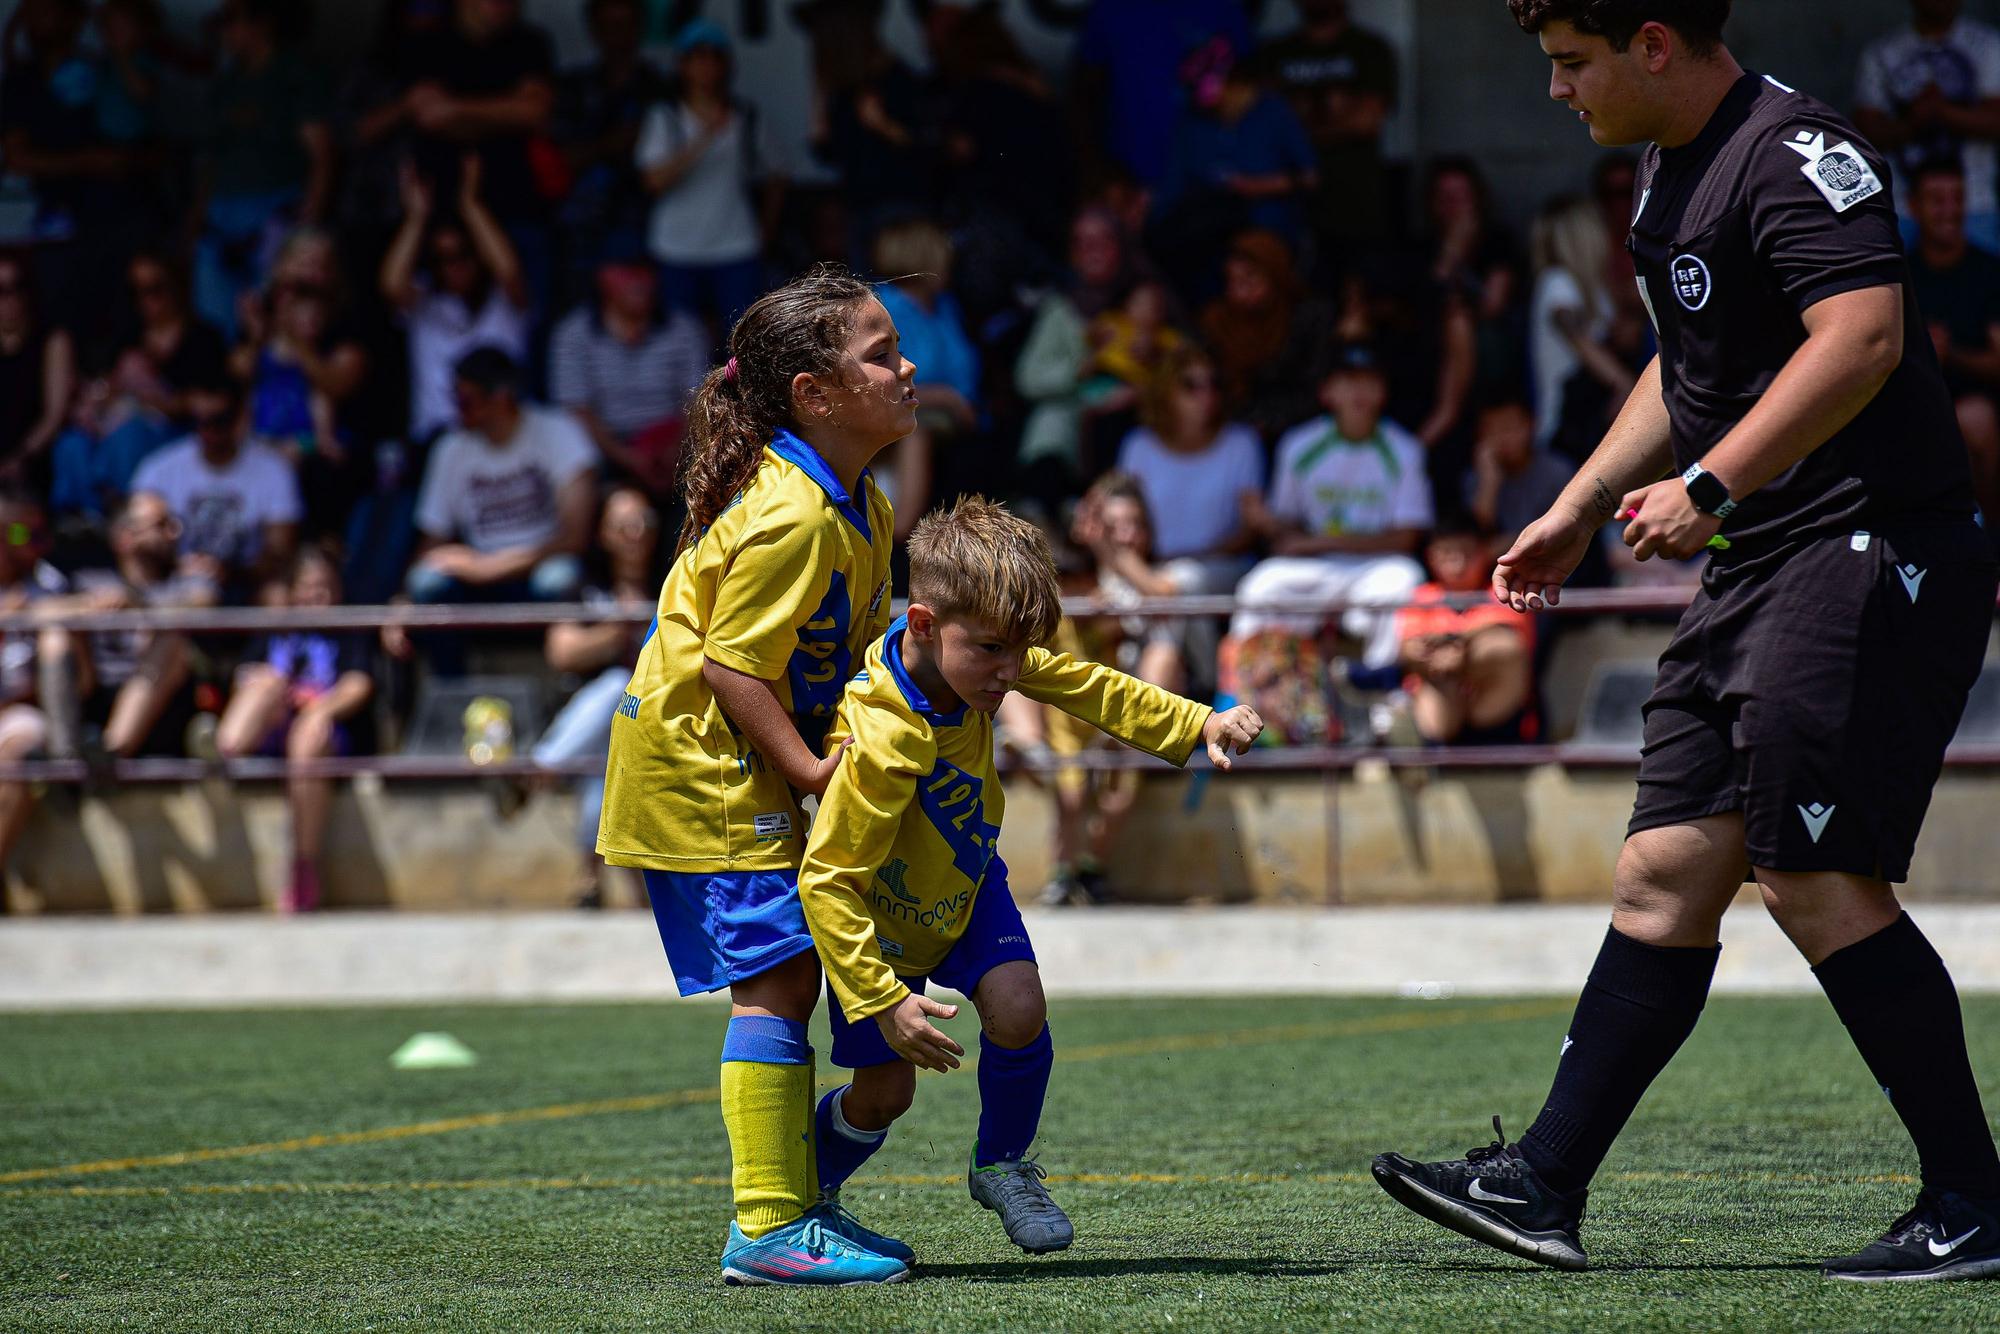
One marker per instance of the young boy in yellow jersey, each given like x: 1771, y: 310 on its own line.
x: 781, y: 582
x: 902, y: 883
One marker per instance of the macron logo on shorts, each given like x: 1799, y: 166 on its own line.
x: 1913, y: 579
x: 1816, y: 817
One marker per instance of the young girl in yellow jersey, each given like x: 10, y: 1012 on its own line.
x: 780, y: 584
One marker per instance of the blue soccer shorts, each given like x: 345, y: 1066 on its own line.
x: 994, y: 935
x: 722, y: 927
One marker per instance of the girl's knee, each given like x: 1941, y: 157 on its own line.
x: 788, y: 990
x: 879, y: 1094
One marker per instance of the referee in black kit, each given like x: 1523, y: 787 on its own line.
x: 1803, y: 708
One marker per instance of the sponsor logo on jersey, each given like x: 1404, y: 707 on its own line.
x: 773, y: 824
x: 1839, y: 173
x: 892, y: 876
x: 1690, y: 279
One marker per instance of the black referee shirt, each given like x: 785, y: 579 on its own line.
x: 1776, y: 205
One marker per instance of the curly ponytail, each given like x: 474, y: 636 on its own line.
x: 739, y: 406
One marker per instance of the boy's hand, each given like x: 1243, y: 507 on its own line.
x: 822, y: 773
x: 1237, y: 728
x: 906, y: 1029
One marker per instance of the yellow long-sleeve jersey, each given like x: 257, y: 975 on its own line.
x: 911, y: 820
x: 789, y: 584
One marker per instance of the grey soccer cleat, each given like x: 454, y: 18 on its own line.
x: 1013, y: 1189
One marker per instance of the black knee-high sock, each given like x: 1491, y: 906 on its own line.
x: 1897, y: 1000
x: 1639, y: 1006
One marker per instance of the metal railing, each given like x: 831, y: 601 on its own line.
x: 530, y: 616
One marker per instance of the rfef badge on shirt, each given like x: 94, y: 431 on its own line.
x: 1840, y: 173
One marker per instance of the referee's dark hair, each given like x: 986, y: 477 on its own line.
x: 1699, y: 22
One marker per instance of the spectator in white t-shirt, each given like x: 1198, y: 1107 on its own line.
x: 237, y: 500
x: 505, y: 509
x: 471, y: 293
x: 1932, y: 92
x: 699, y: 156
x: 1197, y: 471
x: 1350, y: 501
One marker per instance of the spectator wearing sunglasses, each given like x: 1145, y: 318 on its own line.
x: 134, y: 393
x: 237, y: 500
x: 126, y: 692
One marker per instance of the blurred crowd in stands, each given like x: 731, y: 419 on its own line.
x: 421, y: 328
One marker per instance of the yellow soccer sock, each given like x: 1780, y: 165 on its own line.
x: 767, y: 1107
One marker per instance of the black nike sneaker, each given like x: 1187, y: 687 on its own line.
x: 1491, y: 1195
x: 1946, y: 1235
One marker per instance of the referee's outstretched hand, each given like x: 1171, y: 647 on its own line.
x: 1529, y: 576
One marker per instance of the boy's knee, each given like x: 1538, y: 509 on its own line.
x: 1012, y: 1008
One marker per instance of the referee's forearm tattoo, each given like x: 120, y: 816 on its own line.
x: 1601, y: 497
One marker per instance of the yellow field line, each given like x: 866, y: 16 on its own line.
x: 1163, y: 1044
x: 643, y: 1103
x: 719, y: 1183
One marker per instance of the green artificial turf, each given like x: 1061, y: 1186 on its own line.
x: 1224, y: 1146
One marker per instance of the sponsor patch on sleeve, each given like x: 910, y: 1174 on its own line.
x: 1839, y: 173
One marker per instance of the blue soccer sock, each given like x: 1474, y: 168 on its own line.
x: 842, y: 1149
x: 1013, y: 1085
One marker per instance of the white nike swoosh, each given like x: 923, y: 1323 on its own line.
x: 1478, y: 1192
x: 1937, y: 1250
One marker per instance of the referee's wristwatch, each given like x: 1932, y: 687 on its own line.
x: 1706, y: 492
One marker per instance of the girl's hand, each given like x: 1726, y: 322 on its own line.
x: 914, y: 1038
x: 1238, y: 728
x: 822, y: 773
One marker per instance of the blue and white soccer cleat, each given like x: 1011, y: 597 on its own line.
x: 833, y: 1216
x: 805, y: 1253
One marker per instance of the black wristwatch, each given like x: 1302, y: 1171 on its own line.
x: 1706, y: 492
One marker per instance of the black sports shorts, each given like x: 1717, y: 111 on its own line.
x: 1818, y: 697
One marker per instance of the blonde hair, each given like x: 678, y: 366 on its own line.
x: 912, y: 249
x: 979, y: 561
x: 1569, y: 235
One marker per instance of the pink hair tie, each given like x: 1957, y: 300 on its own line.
x: 729, y: 371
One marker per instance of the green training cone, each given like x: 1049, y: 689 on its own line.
x: 433, y: 1051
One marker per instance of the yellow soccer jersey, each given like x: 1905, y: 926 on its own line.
x: 912, y: 817
x: 789, y: 584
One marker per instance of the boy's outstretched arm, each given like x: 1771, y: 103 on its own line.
x: 1140, y: 714
x: 852, y: 834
